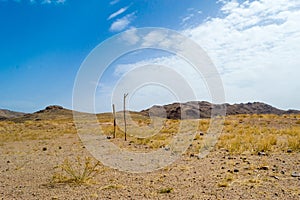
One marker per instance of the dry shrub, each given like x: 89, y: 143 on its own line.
x: 77, y: 172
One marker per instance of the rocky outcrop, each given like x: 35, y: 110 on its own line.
x: 203, y: 109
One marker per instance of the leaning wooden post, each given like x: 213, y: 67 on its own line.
x: 125, y: 95
x: 115, y: 123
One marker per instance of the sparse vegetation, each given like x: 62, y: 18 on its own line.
x: 112, y: 186
x: 165, y: 190
x: 77, y: 172
x: 267, y: 133
x: 226, y: 181
x: 242, y: 133
x: 233, y: 163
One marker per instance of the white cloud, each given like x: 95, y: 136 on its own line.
x: 191, y: 17
x: 53, y: 1
x: 119, y: 12
x: 255, y: 45
x: 130, y: 36
x: 150, y: 93
x: 45, y: 1
x: 114, y: 2
x: 122, y: 23
x: 41, y: 1
x: 187, y: 18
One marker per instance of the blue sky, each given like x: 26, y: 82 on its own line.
x: 254, y: 44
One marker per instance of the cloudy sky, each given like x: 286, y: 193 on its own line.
x: 255, y: 46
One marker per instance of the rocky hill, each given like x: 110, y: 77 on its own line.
x: 202, y: 109
x: 7, y: 114
x: 188, y: 110
x: 49, y: 113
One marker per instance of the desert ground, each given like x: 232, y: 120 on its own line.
x: 256, y: 157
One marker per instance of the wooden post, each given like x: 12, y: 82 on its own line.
x: 115, y: 123
x: 125, y: 95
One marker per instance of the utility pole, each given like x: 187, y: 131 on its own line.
x: 125, y: 95
x: 115, y: 123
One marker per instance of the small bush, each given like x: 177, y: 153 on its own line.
x: 165, y: 190
x: 78, y: 172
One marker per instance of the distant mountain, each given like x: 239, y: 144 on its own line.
x: 191, y: 110
x: 202, y: 109
x: 49, y: 113
x: 7, y: 114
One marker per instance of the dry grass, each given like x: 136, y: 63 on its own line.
x: 226, y: 181
x: 35, y: 130
x: 241, y: 133
x: 255, y: 133
x: 77, y: 172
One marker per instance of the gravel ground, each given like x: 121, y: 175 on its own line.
x: 27, y: 168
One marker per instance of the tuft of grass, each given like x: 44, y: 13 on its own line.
x: 77, y: 172
x: 226, y: 181
x: 112, y: 186
x: 165, y: 190
x: 294, y: 143
x: 223, y: 184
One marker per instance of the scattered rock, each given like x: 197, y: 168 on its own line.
x: 236, y: 170
x: 261, y: 153
x: 243, y: 159
x: 201, y: 134
x: 44, y: 148
x: 54, y: 107
x: 108, y: 137
x: 59, y: 147
x: 295, y: 174
x: 167, y: 148
x: 8, y: 161
x: 289, y: 151
x: 264, y: 168
x: 276, y: 177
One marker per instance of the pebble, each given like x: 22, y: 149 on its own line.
x: 276, y: 177
x: 264, y: 168
x: 295, y: 174
x: 289, y: 151
x: 262, y: 153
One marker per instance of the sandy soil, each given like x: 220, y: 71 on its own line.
x: 27, y: 168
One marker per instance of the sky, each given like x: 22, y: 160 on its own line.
x: 255, y: 46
